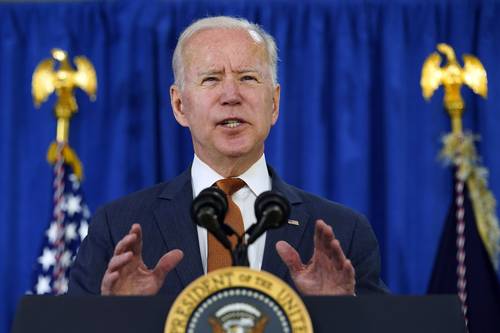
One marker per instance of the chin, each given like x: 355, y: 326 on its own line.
x: 234, y: 153
x: 240, y: 148
x: 234, y: 148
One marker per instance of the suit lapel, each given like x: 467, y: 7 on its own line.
x: 177, y: 229
x: 290, y: 233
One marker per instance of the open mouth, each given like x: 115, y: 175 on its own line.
x: 231, y: 123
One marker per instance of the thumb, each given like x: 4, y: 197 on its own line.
x: 289, y: 256
x: 167, y: 263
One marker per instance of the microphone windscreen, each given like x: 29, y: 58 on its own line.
x: 208, y: 210
x: 211, y: 199
x: 272, y: 203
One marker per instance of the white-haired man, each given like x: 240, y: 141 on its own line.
x: 226, y: 93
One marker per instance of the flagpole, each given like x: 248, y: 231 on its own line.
x: 69, y: 210
x: 459, y: 149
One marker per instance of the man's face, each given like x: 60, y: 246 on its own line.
x: 228, y: 99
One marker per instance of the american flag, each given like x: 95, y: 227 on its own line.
x: 66, y: 230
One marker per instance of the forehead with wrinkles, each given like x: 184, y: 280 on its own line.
x: 212, y: 49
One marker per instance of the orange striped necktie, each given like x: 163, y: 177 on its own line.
x: 218, y: 255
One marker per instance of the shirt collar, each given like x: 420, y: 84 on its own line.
x: 256, y: 177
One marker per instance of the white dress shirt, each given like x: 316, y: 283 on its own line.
x: 257, y: 180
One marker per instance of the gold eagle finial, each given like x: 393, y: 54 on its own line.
x: 452, y: 76
x: 63, y: 80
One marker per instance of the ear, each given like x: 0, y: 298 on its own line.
x: 177, y: 107
x: 276, y: 103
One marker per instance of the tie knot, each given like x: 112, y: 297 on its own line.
x: 230, y: 185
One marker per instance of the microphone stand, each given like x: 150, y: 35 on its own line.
x: 210, y: 206
x: 239, y: 255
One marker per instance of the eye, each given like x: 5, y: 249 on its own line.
x: 249, y: 78
x: 209, y: 80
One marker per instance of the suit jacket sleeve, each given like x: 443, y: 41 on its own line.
x: 92, y: 259
x: 365, y: 256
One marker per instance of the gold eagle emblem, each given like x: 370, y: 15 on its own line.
x: 472, y: 74
x: 46, y: 79
x: 453, y: 76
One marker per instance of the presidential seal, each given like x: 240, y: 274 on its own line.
x: 238, y: 300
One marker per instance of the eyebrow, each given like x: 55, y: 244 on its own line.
x: 247, y: 70
x: 210, y: 72
x: 218, y: 71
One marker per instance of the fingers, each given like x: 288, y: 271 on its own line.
x: 137, y: 245
x: 337, y: 255
x: 349, y: 268
x: 326, y: 244
x: 323, y: 235
x: 112, y: 273
x: 125, y: 244
x: 289, y: 256
x: 108, y: 282
x: 127, y: 247
x: 128, y: 275
x: 131, y: 242
x: 350, y: 277
x: 166, y: 264
x: 117, y: 262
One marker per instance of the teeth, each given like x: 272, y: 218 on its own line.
x: 231, y: 123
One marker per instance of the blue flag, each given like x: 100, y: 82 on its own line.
x: 463, y: 266
x: 467, y: 260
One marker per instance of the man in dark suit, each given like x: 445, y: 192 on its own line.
x: 227, y: 94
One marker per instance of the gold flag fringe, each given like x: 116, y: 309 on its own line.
x: 459, y: 150
x: 70, y: 158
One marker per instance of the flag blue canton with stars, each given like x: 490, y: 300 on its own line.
x: 67, y: 229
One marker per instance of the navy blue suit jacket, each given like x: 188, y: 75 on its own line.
x: 163, y: 211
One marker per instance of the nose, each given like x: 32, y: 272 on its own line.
x: 230, y: 92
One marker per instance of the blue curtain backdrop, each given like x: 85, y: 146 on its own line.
x: 353, y: 125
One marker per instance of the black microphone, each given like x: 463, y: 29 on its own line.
x: 272, y: 211
x: 208, y: 210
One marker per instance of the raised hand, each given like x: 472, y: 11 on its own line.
x: 128, y: 275
x: 328, y: 272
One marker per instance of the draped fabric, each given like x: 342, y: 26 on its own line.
x: 353, y: 126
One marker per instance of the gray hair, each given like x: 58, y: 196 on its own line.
x: 223, y: 22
